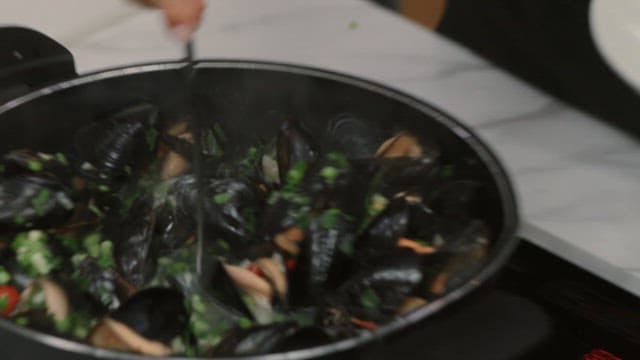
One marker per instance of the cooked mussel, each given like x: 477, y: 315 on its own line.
x: 135, y: 247
x: 294, y: 145
x: 322, y: 258
x: 31, y: 201
x: 109, y: 151
x: 350, y: 135
x: 376, y: 292
x: 146, y: 323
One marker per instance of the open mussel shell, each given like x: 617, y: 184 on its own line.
x: 54, y: 304
x: 109, y: 151
x: 146, y: 323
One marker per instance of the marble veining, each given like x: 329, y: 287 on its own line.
x: 578, y: 179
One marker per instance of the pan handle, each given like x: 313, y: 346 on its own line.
x: 29, y: 60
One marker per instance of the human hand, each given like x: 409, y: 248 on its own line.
x: 182, y: 16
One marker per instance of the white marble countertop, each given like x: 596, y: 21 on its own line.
x: 578, y: 179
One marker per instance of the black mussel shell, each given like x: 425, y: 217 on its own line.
x: 109, y: 151
x: 156, y: 313
x: 384, y: 231
x: 102, y: 283
x: 230, y: 208
x: 294, y: 145
x: 350, y: 135
x: 172, y: 229
x: 135, y: 248
x: 323, y: 258
x: 376, y: 292
x: 33, y: 202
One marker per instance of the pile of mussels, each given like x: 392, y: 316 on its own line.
x: 306, y: 239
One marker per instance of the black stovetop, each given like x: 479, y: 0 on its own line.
x: 540, y: 307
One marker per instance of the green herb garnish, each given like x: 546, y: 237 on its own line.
x: 94, y: 209
x: 370, y: 300
x: 339, y: 160
x: 329, y: 219
x: 40, y: 201
x: 34, y: 165
x: 222, y: 199
x: 62, y: 159
x: 4, y: 302
x: 353, y: 25
x: 33, y: 254
x: 245, y: 323
x: 91, y: 243
x: 152, y: 138
x: 5, y: 277
x: 2, y: 168
x: 330, y: 174
x: 347, y: 246
x: 104, y: 188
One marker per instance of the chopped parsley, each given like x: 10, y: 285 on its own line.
x: 20, y: 220
x: 211, y: 145
x: 35, y: 165
x: 339, y: 160
x: 296, y: 175
x: 370, y: 300
x: 223, y: 244
x: 62, y: 159
x: 250, y: 219
x: 252, y: 157
x: 245, y: 323
x: 330, y: 174
x: 68, y: 242
x: 5, y: 277
x: 39, y: 203
x: 104, y: 188
x: 303, y: 319
x: 94, y: 209
x: 447, y: 171
x: 222, y: 198
x: 347, y: 246
x: 77, y: 324
x: 22, y: 321
x: 33, y: 254
x: 152, y: 138
x: 329, y: 219
x: 218, y: 130
x: 4, y: 302
x: 376, y: 204
x: 353, y: 25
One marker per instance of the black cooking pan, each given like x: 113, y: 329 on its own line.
x: 248, y: 98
